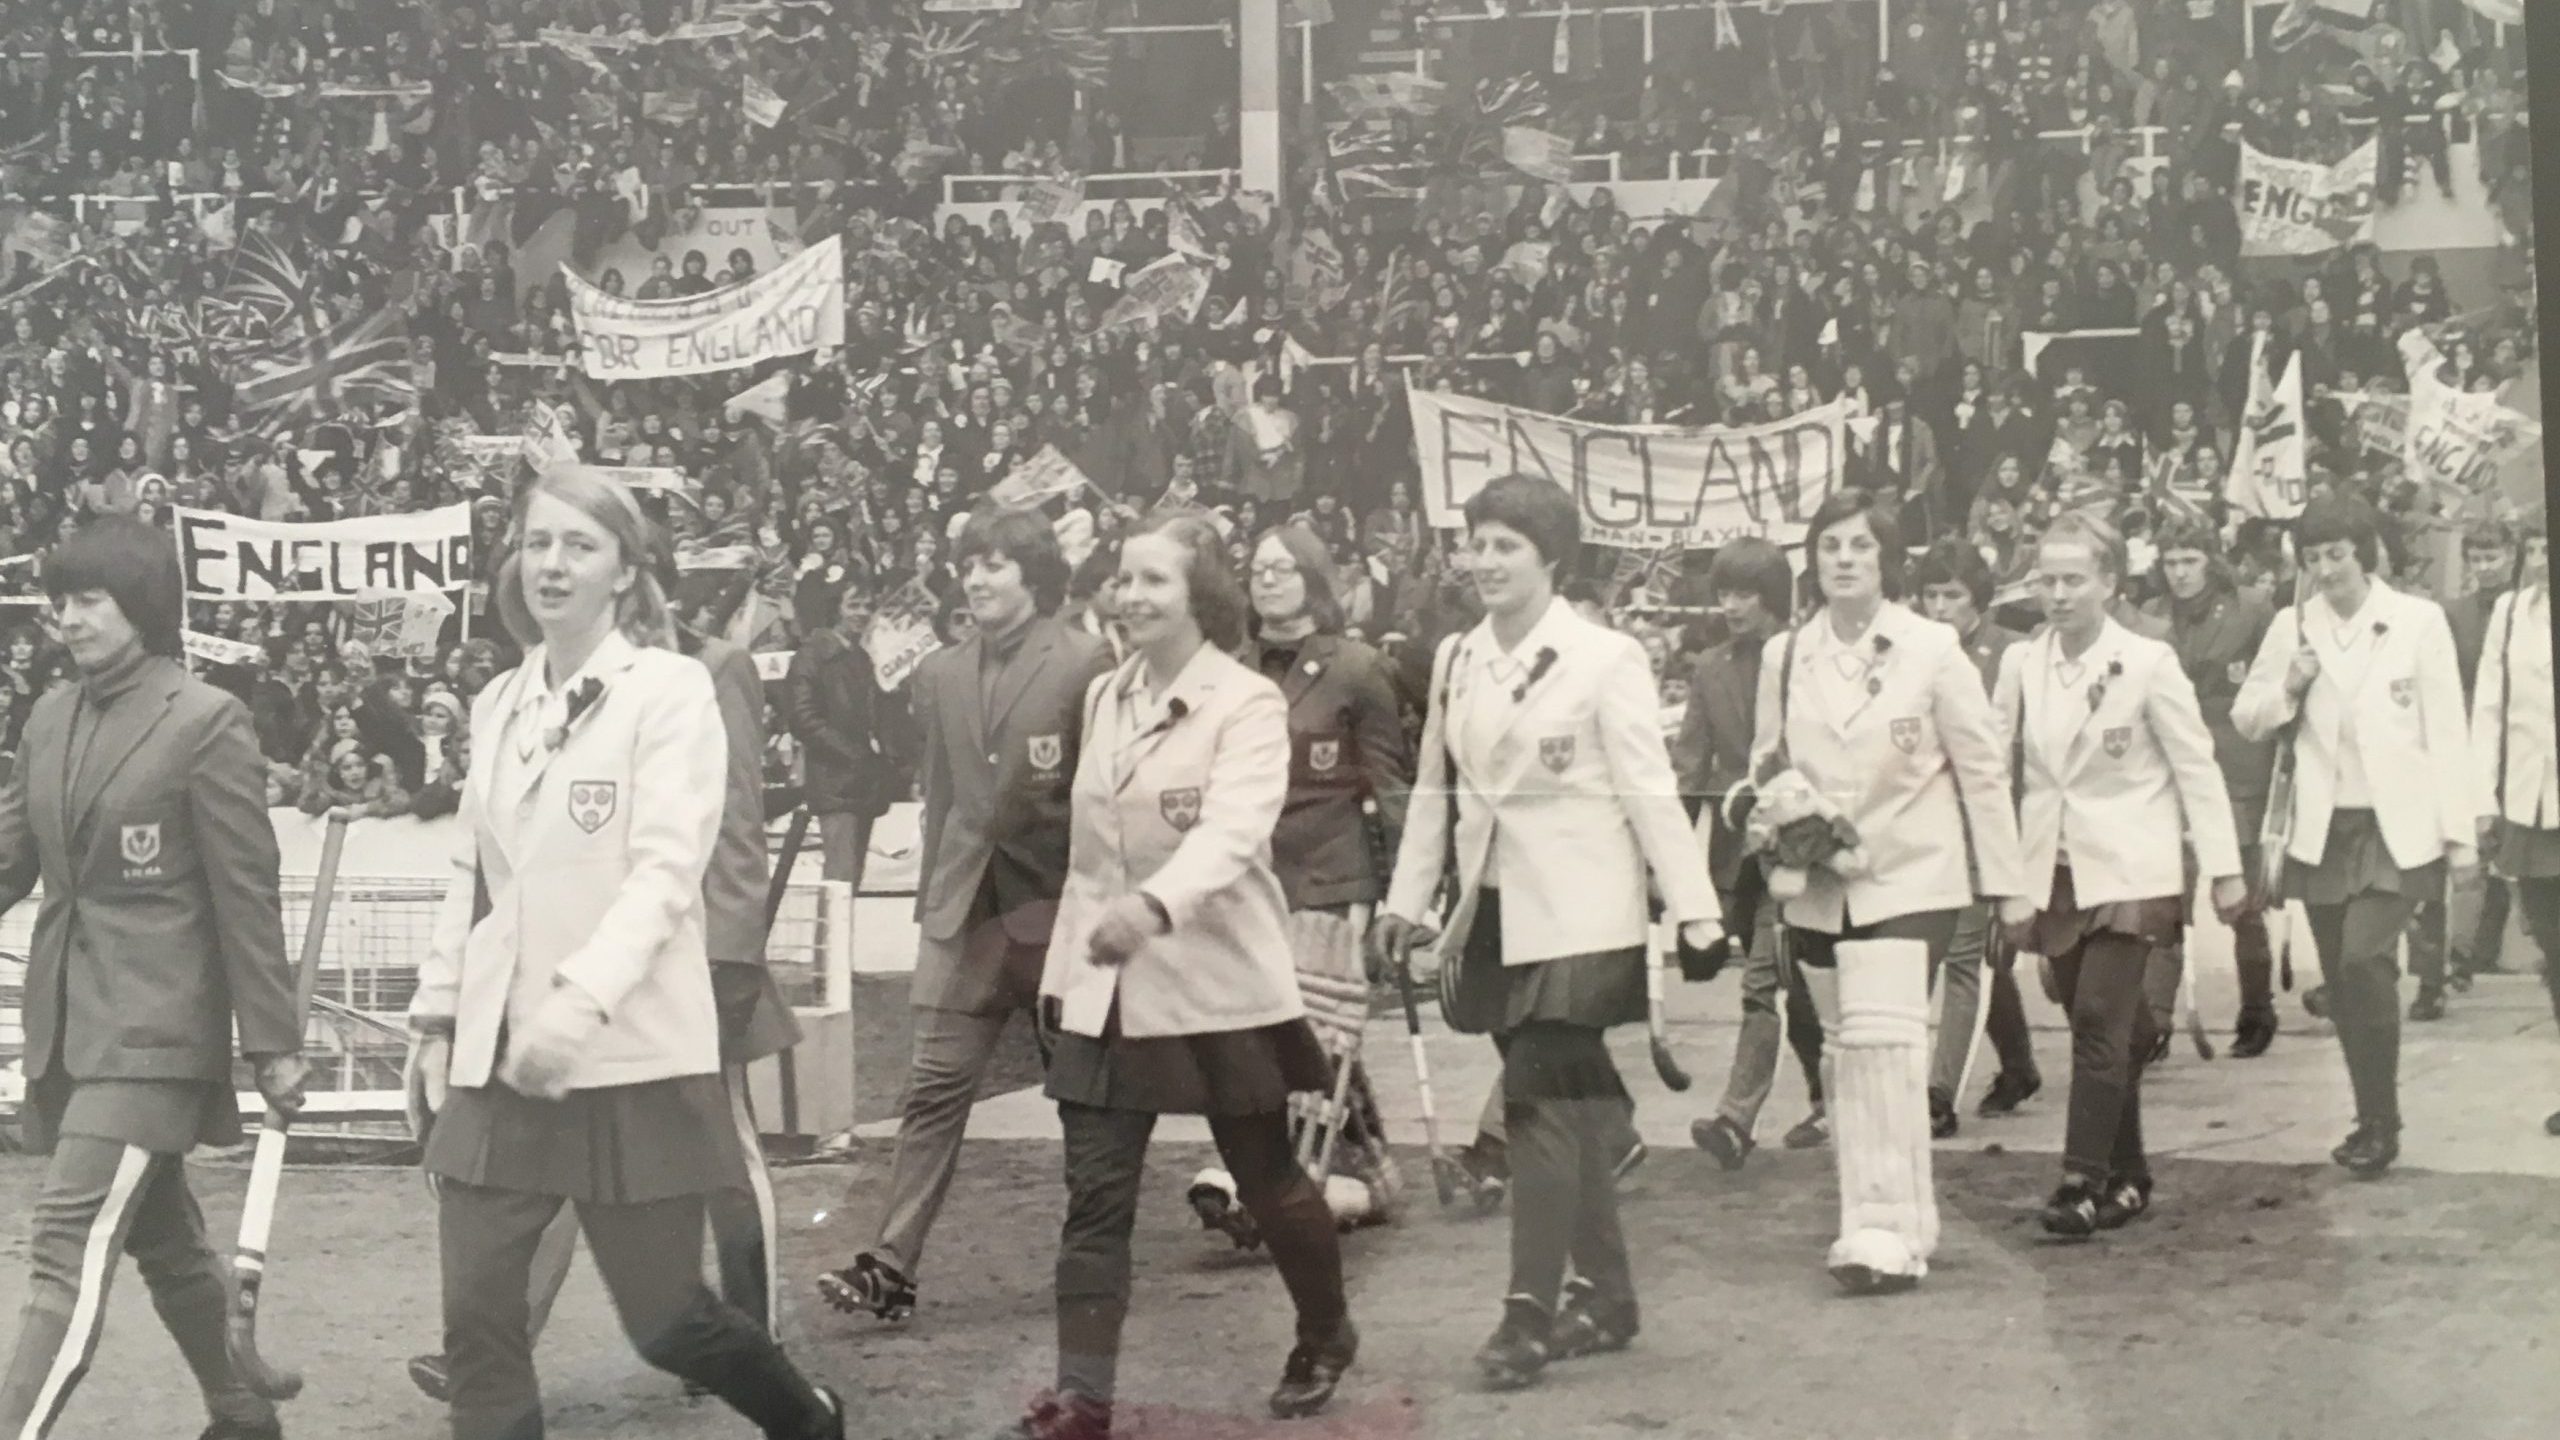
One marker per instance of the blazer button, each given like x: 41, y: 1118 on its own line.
x: 991, y: 759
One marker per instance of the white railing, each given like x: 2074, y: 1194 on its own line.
x: 1117, y: 185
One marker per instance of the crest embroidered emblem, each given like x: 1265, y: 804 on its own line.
x: 1906, y: 734
x: 592, y: 803
x: 1556, y: 752
x: 2404, y: 693
x: 140, y: 844
x: 1046, y: 752
x: 2117, y: 740
x: 1181, y: 807
x: 1323, y: 755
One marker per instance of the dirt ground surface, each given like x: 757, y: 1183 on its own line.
x: 2257, y: 1300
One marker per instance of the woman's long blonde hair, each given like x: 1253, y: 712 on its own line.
x: 641, y: 613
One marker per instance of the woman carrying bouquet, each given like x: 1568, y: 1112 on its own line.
x: 2114, y: 765
x: 1545, y: 794
x: 1873, y: 719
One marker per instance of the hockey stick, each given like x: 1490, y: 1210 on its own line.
x: 1665, y: 1064
x: 266, y: 1172
x: 2194, y: 1017
x: 792, y: 840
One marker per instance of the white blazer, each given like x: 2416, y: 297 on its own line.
x: 2514, y: 692
x: 2130, y: 772
x: 1917, y: 765
x: 1179, y: 807
x: 1565, y: 790
x: 2408, y: 714
x: 593, y: 864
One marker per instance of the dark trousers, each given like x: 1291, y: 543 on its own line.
x: 2004, y: 1021
x: 2360, y: 969
x: 650, y: 1256
x: 102, y: 1200
x: 2540, y: 901
x: 2111, y: 1029
x: 1106, y: 1157
x: 1564, y: 1198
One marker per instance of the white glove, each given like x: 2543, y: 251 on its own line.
x: 424, y: 1080
x: 542, y: 1055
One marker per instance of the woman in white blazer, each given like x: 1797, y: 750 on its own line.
x: 1169, y: 987
x: 2362, y: 681
x: 566, y: 1041
x: 1883, y: 712
x: 1544, y: 796
x: 2513, y: 743
x: 2114, y: 766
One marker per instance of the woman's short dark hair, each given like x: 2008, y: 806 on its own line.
x: 1884, y: 521
x: 1026, y: 539
x: 1315, y: 566
x: 2341, y: 517
x: 1953, y: 561
x: 1753, y: 566
x: 1217, y: 596
x: 1540, y: 510
x: 132, y: 562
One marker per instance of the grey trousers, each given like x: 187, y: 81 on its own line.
x: 846, y: 840
x: 102, y: 1200
x: 952, y: 1050
x: 1755, y: 1048
x: 1968, y: 973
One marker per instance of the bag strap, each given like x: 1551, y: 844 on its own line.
x: 1786, y: 692
x: 2506, y: 692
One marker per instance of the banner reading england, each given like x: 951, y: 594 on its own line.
x: 2297, y: 207
x: 231, y: 557
x: 792, y: 310
x: 1647, y: 486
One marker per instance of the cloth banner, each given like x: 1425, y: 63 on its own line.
x: 1646, y: 486
x: 793, y: 310
x: 759, y: 104
x: 215, y: 650
x: 1052, y: 202
x: 2298, y: 207
x: 1044, y: 475
x: 901, y: 634
x: 232, y: 557
x: 1538, y: 153
x: 2456, y: 441
x: 2268, y: 477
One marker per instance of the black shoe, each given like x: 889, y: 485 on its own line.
x: 1942, y: 1115
x: 2316, y: 1000
x: 1723, y: 1139
x: 427, y: 1372
x: 872, y: 1282
x: 2072, y: 1213
x: 2253, y: 1037
x: 2159, y: 1050
x: 1631, y: 1162
x: 242, y: 1430
x: 1313, y: 1371
x: 1053, y: 1416
x: 2551, y: 1125
x: 1513, y: 1358
x: 1219, y: 1211
x: 2123, y: 1202
x: 1810, y: 1133
x: 2009, y: 1090
x: 832, y: 1427
x: 2427, y: 1004
x: 2370, y: 1152
x: 2340, y: 1152
x: 1588, y: 1325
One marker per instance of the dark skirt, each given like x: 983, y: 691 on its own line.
x: 2355, y: 860
x: 2526, y: 852
x: 1483, y: 996
x: 1222, y: 1073
x: 2064, y: 925
x: 620, y: 1145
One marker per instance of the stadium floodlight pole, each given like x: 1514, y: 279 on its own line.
x: 1258, y: 93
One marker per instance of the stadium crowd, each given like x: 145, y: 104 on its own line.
x: 311, y: 180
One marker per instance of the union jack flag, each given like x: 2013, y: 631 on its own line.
x: 273, y: 285
x: 358, y: 362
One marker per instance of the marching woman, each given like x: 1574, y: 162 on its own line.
x: 1168, y: 987
x: 2513, y: 743
x: 2115, y: 765
x: 1347, y: 753
x: 1882, y: 714
x: 1546, y: 794
x: 566, y: 1031
x: 139, y: 801
x: 2384, y: 796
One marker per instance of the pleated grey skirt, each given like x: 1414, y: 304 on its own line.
x: 620, y: 1145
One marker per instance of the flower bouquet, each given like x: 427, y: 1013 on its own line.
x: 1797, y: 827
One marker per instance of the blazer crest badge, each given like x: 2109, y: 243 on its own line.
x: 2117, y: 740
x: 1556, y: 752
x: 2404, y: 692
x: 1323, y: 755
x: 592, y: 803
x: 139, y: 844
x: 1181, y: 808
x: 1046, y: 752
x: 1906, y: 734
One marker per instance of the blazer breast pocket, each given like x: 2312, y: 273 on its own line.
x: 151, y: 846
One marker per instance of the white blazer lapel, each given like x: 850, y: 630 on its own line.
x: 1183, y: 699
x: 1543, y: 651
x: 2102, y: 667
